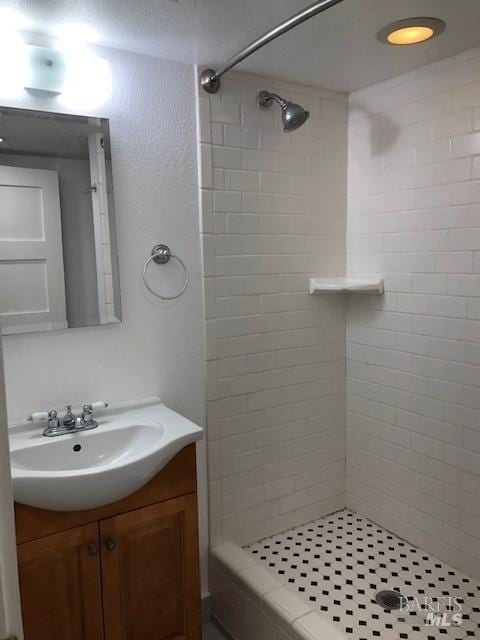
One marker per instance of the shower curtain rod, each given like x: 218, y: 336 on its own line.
x: 210, y: 79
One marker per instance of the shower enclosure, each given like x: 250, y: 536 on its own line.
x: 343, y: 438
x: 361, y: 406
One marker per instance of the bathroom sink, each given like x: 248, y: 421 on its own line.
x: 89, y: 469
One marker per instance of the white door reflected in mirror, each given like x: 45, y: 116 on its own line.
x: 31, y: 254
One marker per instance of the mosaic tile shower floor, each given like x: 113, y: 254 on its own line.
x: 338, y: 564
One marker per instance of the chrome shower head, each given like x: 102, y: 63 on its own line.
x: 293, y: 115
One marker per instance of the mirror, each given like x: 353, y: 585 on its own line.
x: 58, y: 250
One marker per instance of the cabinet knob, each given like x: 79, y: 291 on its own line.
x: 111, y: 545
x: 93, y: 549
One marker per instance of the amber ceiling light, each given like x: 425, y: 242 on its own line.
x: 411, y: 31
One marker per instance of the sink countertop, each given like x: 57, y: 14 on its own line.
x: 88, y: 469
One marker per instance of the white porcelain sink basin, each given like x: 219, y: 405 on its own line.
x: 93, y: 468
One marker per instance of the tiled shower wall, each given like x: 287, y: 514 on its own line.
x: 273, y: 213
x: 414, y: 355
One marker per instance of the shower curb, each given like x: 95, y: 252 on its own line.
x: 253, y: 605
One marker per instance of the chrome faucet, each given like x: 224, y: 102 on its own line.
x: 71, y: 423
x: 69, y: 419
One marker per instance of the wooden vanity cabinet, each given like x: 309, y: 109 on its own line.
x: 61, y: 586
x: 146, y: 591
x: 131, y: 573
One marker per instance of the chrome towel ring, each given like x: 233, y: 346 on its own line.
x: 161, y: 254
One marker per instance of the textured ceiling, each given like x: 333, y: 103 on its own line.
x: 337, y: 49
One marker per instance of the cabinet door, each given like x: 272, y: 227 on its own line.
x: 150, y: 573
x: 60, y: 586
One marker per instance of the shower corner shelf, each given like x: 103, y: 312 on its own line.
x: 348, y: 284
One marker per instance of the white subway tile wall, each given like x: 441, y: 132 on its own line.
x: 413, y: 356
x: 274, y: 209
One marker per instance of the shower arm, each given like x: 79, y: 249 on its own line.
x: 265, y: 99
x: 210, y: 79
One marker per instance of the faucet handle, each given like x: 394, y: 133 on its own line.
x: 38, y: 416
x: 90, y: 407
x: 99, y: 405
x: 87, y: 413
x: 53, y: 424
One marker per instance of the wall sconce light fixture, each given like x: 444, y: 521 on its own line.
x: 46, y: 69
x: 69, y: 70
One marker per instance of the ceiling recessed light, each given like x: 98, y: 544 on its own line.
x: 411, y: 31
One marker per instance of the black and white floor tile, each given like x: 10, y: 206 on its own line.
x: 339, y: 563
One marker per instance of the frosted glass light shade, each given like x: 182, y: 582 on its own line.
x: 46, y: 69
